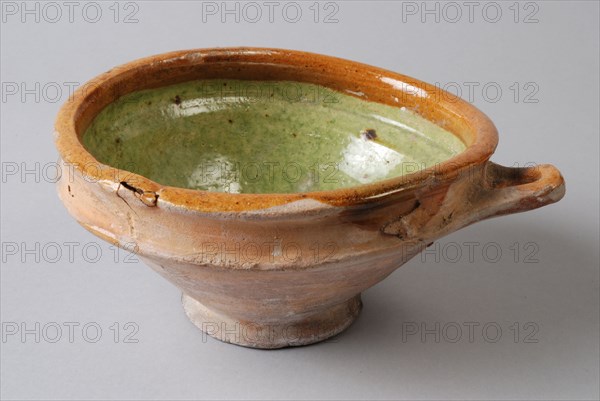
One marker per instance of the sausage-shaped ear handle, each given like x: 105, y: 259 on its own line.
x: 509, y: 190
x: 493, y: 190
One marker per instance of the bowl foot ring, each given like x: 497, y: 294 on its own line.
x: 308, y: 329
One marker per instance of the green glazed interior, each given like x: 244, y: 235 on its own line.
x: 263, y: 137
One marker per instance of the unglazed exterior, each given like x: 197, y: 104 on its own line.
x: 276, y: 270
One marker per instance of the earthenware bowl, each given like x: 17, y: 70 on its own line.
x: 311, y: 253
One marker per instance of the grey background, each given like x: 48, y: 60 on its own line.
x: 556, y: 295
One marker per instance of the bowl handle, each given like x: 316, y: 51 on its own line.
x: 507, y: 190
x: 492, y: 190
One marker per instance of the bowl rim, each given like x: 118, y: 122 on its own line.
x: 73, y: 153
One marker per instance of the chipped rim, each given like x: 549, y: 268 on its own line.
x: 76, y: 114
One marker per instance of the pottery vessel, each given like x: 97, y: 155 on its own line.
x: 312, y: 253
